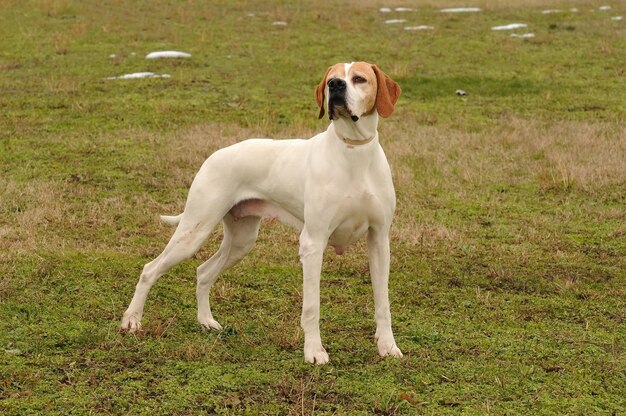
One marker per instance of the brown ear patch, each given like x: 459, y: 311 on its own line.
x: 387, y: 93
x: 320, y: 91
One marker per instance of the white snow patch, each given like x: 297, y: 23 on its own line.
x: 384, y: 10
x: 551, y: 11
x: 279, y: 23
x: 137, y: 75
x: 617, y: 18
x: 420, y: 27
x: 523, y: 35
x: 394, y: 21
x: 461, y: 10
x: 168, y: 54
x: 604, y: 8
x: 510, y: 26
x: 112, y: 56
x: 404, y: 9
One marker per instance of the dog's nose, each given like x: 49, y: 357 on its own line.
x: 336, y: 84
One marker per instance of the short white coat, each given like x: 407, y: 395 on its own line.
x: 334, y: 188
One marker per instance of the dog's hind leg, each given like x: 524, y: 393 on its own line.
x: 239, y: 238
x: 189, y: 236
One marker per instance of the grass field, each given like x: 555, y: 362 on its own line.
x: 508, y: 278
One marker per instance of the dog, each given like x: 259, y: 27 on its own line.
x: 334, y: 188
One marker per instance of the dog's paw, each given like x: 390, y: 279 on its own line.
x: 389, y: 349
x: 130, y: 323
x: 315, y: 354
x: 210, y: 323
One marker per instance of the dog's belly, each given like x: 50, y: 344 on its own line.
x: 346, y: 233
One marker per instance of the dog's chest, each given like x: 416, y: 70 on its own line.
x: 356, y: 212
x: 355, y: 194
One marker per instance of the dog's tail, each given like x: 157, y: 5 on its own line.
x: 171, y: 219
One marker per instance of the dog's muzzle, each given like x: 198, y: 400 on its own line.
x: 337, y: 100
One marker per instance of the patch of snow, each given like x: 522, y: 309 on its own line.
x: 551, y: 11
x: 384, y: 10
x: 137, y: 75
x: 616, y: 18
x: 604, y: 8
x: 510, y: 26
x: 279, y: 23
x: 168, y: 54
x: 420, y: 27
x: 404, y: 9
x: 113, y: 56
x: 523, y: 35
x: 461, y: 10
x: 394, y: 21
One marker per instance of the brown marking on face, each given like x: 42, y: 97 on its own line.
x: 337, y: 70
x: 369, y: 87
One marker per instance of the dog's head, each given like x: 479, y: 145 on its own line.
x: 356, y: 89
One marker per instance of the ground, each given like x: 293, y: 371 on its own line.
x: 508, y: 247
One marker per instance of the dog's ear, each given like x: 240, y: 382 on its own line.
x: 320, y: 91
x: 387, y: 93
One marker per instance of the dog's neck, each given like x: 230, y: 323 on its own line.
x: 352, y: 132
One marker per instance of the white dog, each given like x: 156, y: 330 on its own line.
x: 334, y: 188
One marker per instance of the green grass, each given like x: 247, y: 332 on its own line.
x: 508, y: 249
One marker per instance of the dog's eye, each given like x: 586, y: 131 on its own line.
x: 358, y: 80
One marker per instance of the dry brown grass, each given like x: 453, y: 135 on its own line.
x: 553, y: 156
x: 54, y: 7
x: 483, y: 4
x: 28, y: 211
x: 588, y: 155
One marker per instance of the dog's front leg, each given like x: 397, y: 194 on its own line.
x: 379, y: 259
x: 311, y: 256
